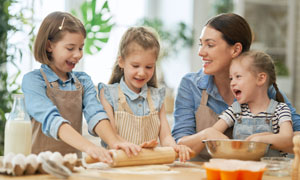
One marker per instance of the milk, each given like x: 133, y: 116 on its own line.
x: 17, y: 138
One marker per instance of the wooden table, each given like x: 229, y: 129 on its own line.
x: 176, y: 173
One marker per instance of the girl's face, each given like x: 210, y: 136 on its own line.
x: 66, y: 53
x: 138, y: 67
x: 243, y: 82
x: 215, y: 52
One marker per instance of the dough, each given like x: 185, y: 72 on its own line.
x: 145, y: 168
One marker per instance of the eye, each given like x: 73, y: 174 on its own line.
x: 149, y: 67
x: 135, y: 66
x: 210, y: 45
x: 200, y: 44
x: 230, y: 78
x: 70, y: 49
x: 238, y: 76
x: 80, y: 49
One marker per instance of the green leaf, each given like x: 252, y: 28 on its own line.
x: 96, y: 20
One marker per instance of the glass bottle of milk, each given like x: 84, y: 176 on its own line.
x: 17, y: 138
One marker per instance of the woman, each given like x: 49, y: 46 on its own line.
x: 205, y: 94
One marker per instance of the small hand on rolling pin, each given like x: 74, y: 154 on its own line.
x: 157, y: 155
x: 129, y: 148
x: 149, y: 144
x: 99, y: 153
x: 184, y: 152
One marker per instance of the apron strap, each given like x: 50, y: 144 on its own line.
x: 204, y: 98
x: 78, y: 84
x: 45, y: 78
x: 150, y: 101
x: 236, y: 107
x: 272, y: 107
x: 122, y: 104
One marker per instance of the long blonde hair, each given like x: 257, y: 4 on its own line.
x: 145, y: 37
x: 262, y: 62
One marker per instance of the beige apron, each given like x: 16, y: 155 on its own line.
x: 69, y: 104
x: 206, y: 117
x: 136, y: 129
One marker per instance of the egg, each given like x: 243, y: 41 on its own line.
x: 57, y: 157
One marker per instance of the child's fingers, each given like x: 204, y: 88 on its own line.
x: 135, y: 149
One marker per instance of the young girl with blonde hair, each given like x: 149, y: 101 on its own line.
x: 254, y: 116
x: 132, y: 100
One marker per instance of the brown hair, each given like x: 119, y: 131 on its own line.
x: 262, y: 62
x: 53, y: 28
x: 234, y: 29
x: 145, y: 37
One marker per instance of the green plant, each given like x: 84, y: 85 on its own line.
x: 10, y: 53
x: 222, y: 6
x: 97, y: 24
x: 8, y: 85
x: 172, y: 41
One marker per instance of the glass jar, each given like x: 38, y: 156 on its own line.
x: 17, y: 137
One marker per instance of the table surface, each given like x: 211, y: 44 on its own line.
x: 176, y: 173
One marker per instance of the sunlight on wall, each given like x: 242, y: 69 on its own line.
x: 20, y: 39
x: 126, y: 14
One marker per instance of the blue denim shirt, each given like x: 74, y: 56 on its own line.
x: 137, y: 102
x: 41, y: 108
x: 189, y: 96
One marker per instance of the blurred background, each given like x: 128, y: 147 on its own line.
x: 275, y: 25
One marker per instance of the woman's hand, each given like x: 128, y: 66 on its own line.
x: 183, y: 152
x: 99, y: 153
x: 149, y: 144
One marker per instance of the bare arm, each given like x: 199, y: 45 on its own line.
x: 117, y: 142
x: 281, y: 141
x: 70, y: 136
x: 195, y: 141
x: 166, y: 138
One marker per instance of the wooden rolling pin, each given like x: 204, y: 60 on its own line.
x: 158, y: 155
x: 296, y: 162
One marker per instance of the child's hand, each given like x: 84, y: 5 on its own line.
x: 149, y: 144
x: 256, y: 137
x: 183, y: 152
x: 129, y: 148
x: 99, y: 153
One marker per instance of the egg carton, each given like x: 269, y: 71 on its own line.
x: 18, y: 164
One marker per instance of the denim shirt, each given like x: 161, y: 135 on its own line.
x: 189, y: 96
x: 42, y: 109
x: 137, y: 102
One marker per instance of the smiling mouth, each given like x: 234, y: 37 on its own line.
x: 71, y: 63
x: 237, y: 92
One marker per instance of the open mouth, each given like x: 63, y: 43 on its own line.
x: 71, y: 64
x: 237, y: 92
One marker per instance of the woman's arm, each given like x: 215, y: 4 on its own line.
x: 184, y: 129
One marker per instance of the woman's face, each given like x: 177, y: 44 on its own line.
x: 216, y: 53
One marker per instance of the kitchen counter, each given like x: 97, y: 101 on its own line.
x: 176, y: 173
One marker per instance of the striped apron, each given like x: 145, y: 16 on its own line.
x: 136, y: 129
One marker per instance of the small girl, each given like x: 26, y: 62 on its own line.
x: 132, y: 101
x: 55, y: 96
x: 254, y: 115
